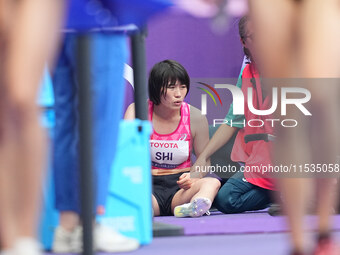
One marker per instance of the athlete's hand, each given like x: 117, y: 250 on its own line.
x: 185, y: 182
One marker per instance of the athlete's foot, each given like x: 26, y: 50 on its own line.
x: 65, y: 241
x: 326, y: 247
x: 107, y: 239
x: 6, y: 252
x: 297, y: 253
x: 196, y: 208
x: 26, y: 246
x: 275, y: 210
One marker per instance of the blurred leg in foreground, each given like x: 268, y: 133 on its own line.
x: 28, y: 39
x: 304, y: 43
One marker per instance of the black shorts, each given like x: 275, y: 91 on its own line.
x: 164, y: 187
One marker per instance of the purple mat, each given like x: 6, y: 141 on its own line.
x: 245, y: 223
x: 253, y: 244
x: 254, y: 233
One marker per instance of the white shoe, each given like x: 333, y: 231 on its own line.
x: 65, y: 241
x: 6, y: 252
x: 107, y: 239
x: 196, y: 208
x: 26, y: 246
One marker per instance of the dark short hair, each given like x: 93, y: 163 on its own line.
x: 164, y: 73
x: 242, y: 30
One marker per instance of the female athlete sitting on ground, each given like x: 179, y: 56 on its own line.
x: 178, y: 129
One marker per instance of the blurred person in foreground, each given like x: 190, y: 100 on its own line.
x: 305, y: 37
x: 28, y: 39
x: 303, y: 43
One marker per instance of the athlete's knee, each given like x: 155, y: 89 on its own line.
x: 226, y: 202
x: 21, y: 108
x: 211, y: 183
